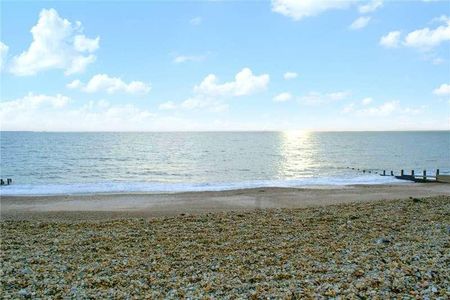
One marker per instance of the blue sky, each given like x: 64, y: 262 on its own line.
x: 225, y: 65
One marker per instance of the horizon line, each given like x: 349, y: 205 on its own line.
x: 218, y: 131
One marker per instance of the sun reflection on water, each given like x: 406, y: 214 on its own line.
x: 295, y: 134
x: 297, y: 149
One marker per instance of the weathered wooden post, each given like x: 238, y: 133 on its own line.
x: 384, y: 172
x: 437, y: 172
x: 402, y: 173
x: 424, y: 174
x: 412, y: 173
x: 8, y: 181
x: 392, y: 173
x: 2, y: 182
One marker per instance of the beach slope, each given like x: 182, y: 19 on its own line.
x: 367, y: 249
x: 104, y: 206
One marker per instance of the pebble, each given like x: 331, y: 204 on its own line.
x: 24, y: 293
x: 383, y: 241
x: 322, y: 252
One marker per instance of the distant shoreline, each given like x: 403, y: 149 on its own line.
x: 228, y: 131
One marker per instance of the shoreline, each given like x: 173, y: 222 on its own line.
x: 61, y: 189
x: 176, y: 192
x: 149, y: 205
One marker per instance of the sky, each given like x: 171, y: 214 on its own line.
x: 225, y: 65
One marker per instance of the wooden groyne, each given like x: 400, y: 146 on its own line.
x: 412, y: 176
x: 7, y: 182
x: 424, y: 177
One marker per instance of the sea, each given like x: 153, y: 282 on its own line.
x: 50, y: 163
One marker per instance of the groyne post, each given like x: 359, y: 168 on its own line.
x: 402, y: 173
x: 412, y: 173
x: 437, y: 172
x: 392, y: 173
x: 424, y: 174
x: 384, y: 172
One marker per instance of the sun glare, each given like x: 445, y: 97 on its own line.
x: 293, y: 134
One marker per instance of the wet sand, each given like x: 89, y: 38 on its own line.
x: 110, y: 206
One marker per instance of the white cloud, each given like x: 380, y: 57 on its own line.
x: 384, y: 110
x: 245, y: 83
x: 104, y: 116
x: 412, y: 111
x: 57, y: 44
x: 349, y: 108
x: 196, y: 21
x: 84, y: 44
x: 186, y: 58
x: 195, y: 103
x: 366, y: 101
x: 360, y: 23
x: 433, y: 57
x: 391, y: 40
x: 370, y: 7
x: 52, y: 113
x: 441, y: 19
x: 283, y: 97
x: 336, y: 96
x: 103, y: 82
x: 290, y: 75
x: 33, y: 101
x: 210, y: 95
x: 437, y: 61
x: 3, y: 54
x: 426, y: 38
x: 201, y: 102
x: 169, y: 105
x: 299, y: 9
x: 315, y: 98
x: 57, y: 113
x: 41, y: 112
x: 443, y: 90
x: 76, y: 84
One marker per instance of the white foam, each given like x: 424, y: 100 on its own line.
x: 154, y: 187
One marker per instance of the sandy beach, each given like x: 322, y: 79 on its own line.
x: 106, y: 206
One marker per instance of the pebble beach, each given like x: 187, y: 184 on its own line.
x: 378, y: 249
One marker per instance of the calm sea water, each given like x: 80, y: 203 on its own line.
x: 53, y: 163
